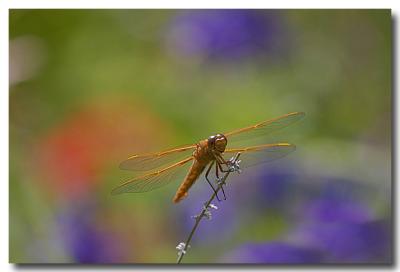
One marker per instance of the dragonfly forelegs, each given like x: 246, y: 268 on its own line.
x: 207, y: 173
x: 218, y: 166
x: 220, y: 161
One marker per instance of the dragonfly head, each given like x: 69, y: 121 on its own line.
x: 217, y: 142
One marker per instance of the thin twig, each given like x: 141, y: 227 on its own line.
x: 205, y: 208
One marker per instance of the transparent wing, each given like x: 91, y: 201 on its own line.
x: 263, y: 128
x: 145, y: 162
x: 155, y: 179
x: 254, y: 155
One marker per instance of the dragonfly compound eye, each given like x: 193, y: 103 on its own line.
x: 211, y: 141
x: 220, y: 142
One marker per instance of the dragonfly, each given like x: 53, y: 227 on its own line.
x: 188, y: 162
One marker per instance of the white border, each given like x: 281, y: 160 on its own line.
x: 4, y: 137
x: 5, y: 5
x: 197, y: 4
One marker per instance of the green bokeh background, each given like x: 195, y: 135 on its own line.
x: 106, y: 84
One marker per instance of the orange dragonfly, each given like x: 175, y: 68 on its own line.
x: 190, y: 161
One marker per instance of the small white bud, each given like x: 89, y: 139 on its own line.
x: 208, y: 215
x: 212, y: 206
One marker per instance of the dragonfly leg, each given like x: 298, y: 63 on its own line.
x: 221, y: 162
x: 219, y: 158
x: 222, y: 169
x: 223, y: 192
x: 207, y: 173
x: 222, y: 159
x: 218, y: 166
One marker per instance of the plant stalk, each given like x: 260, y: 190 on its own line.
x: 205, y: 208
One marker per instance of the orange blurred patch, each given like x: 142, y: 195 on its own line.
x: 102, y: 133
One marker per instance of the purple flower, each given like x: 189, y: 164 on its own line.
x: 276, y: 187
x: 85, y: 240
x: 226, y: 34
x: 334, y: 210
x: 345, y: 230
x: 367, y: 242
x: 331, y: 220
x: 273, y: 253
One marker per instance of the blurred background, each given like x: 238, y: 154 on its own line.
x: 88, y: 88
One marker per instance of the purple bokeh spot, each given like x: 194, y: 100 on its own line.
x: 85, y: 240
x: 348, y: 242
x: 273, y: 253
x: 276, y: 186
x: 335, y: 210
x: 226, y: 34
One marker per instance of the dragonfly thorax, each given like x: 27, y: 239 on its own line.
x: 217, y: 142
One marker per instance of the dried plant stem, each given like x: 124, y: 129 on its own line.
x: 205, y: 209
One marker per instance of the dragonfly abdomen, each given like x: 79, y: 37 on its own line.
x: 194, y: 172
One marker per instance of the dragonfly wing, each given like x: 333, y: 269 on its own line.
x: 146, y: 162
x: 263, y: 128
x: 254, y: 155
x: 155, y: 179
